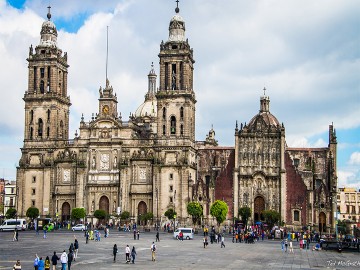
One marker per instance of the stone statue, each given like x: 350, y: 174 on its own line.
x: 93, y: 163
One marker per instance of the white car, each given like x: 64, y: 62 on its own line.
x: 79, y: 227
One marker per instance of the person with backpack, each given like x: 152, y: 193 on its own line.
x: 70, y: 259
x: 36, y: 262
x: 17, y: 265
x: 153, y: 250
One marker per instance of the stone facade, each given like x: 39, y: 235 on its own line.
x: 151, y: 162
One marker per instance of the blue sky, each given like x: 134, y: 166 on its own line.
x: 306, y: 53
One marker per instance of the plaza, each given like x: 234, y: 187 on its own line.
x: 171, y: 254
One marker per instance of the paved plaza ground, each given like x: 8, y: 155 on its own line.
x: 171, y: 254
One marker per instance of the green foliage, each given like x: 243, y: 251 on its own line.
x: 78, y: 213
x: 219, y: 210
x: 195, y: 210
x: 245, y: 213
x: 147, y: 216
x: 341, y: 227
x: 100, y: 214
x: 170, y: 213
x: 125, y: 215
x: 32, y: 212
x: 10, y: 213
x: 271, y: 217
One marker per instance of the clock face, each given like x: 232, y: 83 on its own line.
x: 105, y: 109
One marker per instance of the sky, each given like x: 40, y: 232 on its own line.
x: 306, y: 53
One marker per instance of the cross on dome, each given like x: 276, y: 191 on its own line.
x: 177, y: 6
x: 49, y: 14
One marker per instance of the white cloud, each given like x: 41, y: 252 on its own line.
x: 355, y: 158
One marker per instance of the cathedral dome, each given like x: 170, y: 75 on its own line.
x: 177, y: 28
x: 148, y: 108
x: 48, y: 33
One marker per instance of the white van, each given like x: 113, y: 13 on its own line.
x: 12, y: 224
x: 188, y: 233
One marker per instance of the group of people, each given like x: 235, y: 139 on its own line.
x: 130, y: 255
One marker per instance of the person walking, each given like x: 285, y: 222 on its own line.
x: 76, y: 249
x: 47, y: 263
x: 153, y: 250
x: 157, y: 236
x: 138, y: 234
x: 134, y: 234
x: 36, y: 262
x: 127, y: 254
x: 41, y: 264
x: 222, y: 241
x: 54, y: 260
x: 17, y: 265
x: 291, y: 249
x: 286, y: 245
x: 133, y: 254
x: 70, y: 259
x: 205, y: 242
x: 115, y: 250
x: 63, y: 260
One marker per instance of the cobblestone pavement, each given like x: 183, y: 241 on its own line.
x: 171, y: 254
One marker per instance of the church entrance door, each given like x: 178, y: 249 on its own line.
x: 142, y: 210
x: 104, y: 204
x: 259, y: 206
x: 322, y: 222
x: 65, y: 211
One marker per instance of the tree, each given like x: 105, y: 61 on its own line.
x: 219, y: 210
x: 78, y: 213
x: 100, y: 214
x: 32, y: 212
x: 125, y: 215
x: 245, y: 213
x: 10, y: 213
x: 271, y: 217
x: 195, y: 210
x: 170, y: 213
x: 147, y: 216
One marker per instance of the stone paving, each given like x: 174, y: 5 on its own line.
x: 171, y: 254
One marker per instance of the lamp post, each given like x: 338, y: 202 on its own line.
x: 174, y: 210
x: 157, y: 206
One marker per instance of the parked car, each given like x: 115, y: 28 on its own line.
x: 78, y: 227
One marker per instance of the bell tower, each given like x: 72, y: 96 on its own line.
x: 46, y: 101
x: 175, y: 96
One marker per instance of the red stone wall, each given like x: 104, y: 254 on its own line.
x: 295, y: 192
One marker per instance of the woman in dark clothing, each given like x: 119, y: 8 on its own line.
x: 133, y: 254
x: 115, y: 250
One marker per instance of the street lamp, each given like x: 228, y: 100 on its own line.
x: 174, y: 210
x: 157, y: 206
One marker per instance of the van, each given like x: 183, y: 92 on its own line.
x: 12, y: 224
x: 187, y: 232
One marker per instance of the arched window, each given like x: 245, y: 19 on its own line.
x: 164, y: 113
x: 31, y: 116
x: 48, y: 115
x: 296, y: 215
x: 42, y: 87
x: 173, y: 125
x: 40, y: 127
x: 31, y: 133
x: 181, y: 113
x: 61, y: 129
x: 181, y: 129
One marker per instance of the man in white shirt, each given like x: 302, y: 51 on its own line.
x: 153, y: 250
x: 64, y: 260
x: 127, y: 253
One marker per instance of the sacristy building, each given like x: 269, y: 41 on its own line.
x: 152, y: 162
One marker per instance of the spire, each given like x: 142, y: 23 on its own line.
x: 177, y: 9
x: 264, y: 103
x: 49, y: 14
x: 151, y: 82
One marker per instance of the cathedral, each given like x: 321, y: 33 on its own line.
x: 152, y: 161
